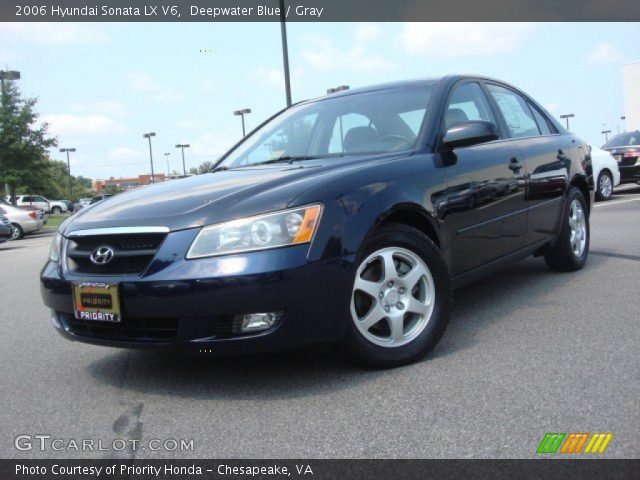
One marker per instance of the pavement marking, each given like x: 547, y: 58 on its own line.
x: 616, y: 202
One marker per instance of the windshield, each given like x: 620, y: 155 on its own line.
x: 624, y: 140
x: 364, y: 123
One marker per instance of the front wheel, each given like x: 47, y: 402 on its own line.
x: 16, y: 232
x: 605, y: 186
x: 401, y: 298
x: 56, y: 210
x: 572, y: 248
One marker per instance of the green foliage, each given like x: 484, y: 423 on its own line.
x: 24, y: 163
x: 113, y: 189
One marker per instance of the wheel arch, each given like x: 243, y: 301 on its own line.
x: 412, y: 215
x: 581, y: 183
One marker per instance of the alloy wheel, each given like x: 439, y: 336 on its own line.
x: 578, y: 228
x: 606, y: 186
x: 393, y: 297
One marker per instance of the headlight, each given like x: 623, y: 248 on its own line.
x: 288, y: 227
x: 56, y: 244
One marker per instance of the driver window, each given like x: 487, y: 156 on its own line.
x: 346, y: 127
x: 467, y: 103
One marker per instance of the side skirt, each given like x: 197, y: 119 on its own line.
x: 470, y: 276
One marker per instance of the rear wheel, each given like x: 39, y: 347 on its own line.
x: 605, y: 186
x: 56, y: 210
x: 16, y: 232
x: 401, y: 298
x: 571, y: 251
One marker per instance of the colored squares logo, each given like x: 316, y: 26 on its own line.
x: 574, y: 443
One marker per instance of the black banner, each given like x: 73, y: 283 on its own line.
x: 318, y: 10
x: 321, y: 469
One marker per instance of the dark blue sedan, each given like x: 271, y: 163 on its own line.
x: 350, y: 218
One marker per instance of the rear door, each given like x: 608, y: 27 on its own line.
x: 485, y: 204
x: 546, y: 155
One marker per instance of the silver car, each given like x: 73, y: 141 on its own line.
x: 22, y: 221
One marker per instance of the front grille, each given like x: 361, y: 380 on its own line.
x: 152, y: 330
x: 132, y: 253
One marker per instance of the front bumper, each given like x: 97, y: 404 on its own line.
x: 191, y: 301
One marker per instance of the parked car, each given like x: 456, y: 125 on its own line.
x: 606, y: 173
x: 625, y: 148
x: 69, y: 205
x: 81, y: 203
x: 99, y: 198
x: 36, y: 201
x: 23, y: 221
x: 330, y: 222
x: 58, y: 206
x: 5, y: 228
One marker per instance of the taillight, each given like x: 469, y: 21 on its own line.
x: 631, y: 154
x: 33, y: 215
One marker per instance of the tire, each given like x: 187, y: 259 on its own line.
x: 56, y: 210
x: 16, y: 232
x: 604, y: 189
x: 570, y: 253
x: 421, y: 312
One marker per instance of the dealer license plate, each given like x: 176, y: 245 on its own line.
x: 96, y: 301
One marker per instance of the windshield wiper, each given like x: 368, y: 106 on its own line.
x: 289, y: 159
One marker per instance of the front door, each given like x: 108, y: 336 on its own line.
x: 484, y: 203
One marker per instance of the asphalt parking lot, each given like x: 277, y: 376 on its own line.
x: 527, y: 352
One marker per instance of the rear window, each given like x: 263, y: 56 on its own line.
x: 624, y: 140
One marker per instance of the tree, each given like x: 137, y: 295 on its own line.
x: 205, y: 167
x: 23, y: 144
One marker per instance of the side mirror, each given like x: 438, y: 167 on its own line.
x: 470, y: 133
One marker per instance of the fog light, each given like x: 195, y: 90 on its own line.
x: 54, y: 319
x: 257, y: 322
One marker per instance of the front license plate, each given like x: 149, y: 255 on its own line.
x: 96, y: 301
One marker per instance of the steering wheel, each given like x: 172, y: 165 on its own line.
x: 399, y: 139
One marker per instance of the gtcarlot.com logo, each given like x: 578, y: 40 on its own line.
x: 48, y: 443
x: 574, y: 442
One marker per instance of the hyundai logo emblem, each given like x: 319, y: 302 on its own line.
x: 102, y: 255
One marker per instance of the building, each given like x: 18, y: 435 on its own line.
x: 631, y: 89
x: 125, y: 183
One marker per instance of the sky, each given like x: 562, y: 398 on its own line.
x: 100, y: 86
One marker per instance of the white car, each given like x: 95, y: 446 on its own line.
x: 58, y: 206
x: 606, y: 173
x: 36, y: 201
x: 22, y: 221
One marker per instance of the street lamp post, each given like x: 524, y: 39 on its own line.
x: 182, y: 146
x: 166, y: 155
x: 606, y: 135
x: 567, y: 116
x: 148, y: 136
x: 67, y: 150
x: 285, y: 52
x: 242, y: 113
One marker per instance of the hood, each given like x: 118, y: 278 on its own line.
x: 213, y: 197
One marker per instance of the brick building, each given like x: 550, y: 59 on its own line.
x: 127, y: 182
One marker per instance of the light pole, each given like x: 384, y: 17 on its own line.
x: 623, y: 118
x: 148, y: 136
x: 166, y: 155
x: 67, y: 150
x: 242, y: 113
x: 285, y: 52
x: 606, y: 135
x: 567, y: 116
x: 182, y: 146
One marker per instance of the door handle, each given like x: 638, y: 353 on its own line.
x: 515, y: 165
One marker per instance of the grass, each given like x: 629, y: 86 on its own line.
x: 55, y: 220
